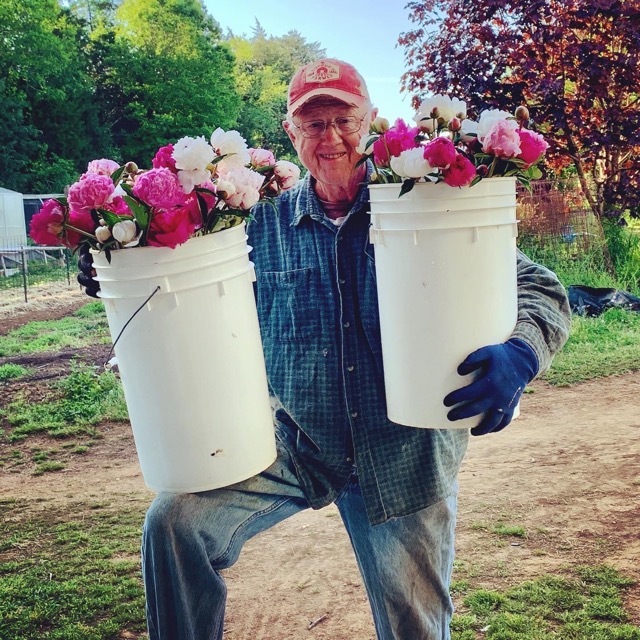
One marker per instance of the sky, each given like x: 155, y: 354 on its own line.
x: 361, y: 32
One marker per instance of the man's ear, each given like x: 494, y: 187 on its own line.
x: 287, y: 126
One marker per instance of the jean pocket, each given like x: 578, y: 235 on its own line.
x: 287, y: 304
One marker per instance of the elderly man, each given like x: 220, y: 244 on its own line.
x: 394, y: 486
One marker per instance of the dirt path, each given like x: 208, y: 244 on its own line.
x: 567, y: 471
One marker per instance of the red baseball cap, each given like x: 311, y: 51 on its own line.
x: 327, y: 77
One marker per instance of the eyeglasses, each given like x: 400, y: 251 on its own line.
x: 317, y: 128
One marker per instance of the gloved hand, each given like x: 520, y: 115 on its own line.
x: 505, y: 371
x: 85, y: 277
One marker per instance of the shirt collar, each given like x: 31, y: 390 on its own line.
x: 307, y: 203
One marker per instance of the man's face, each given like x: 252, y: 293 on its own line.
x: 331, y: 157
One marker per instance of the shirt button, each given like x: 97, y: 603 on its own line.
x: 350, y: 368
x: 349, y: 460
x: 341, y: 280
x: 354, y: 414
x: 346, y: 325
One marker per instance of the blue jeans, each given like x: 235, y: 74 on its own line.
x: 405, y: 563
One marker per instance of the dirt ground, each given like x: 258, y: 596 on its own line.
x: 567, y: 471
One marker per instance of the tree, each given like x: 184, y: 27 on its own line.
x: 264, y: 67
x: 575, y: 63
x: 48, y: 107
x: 163, y: 73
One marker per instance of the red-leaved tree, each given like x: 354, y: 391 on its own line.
x: 574, y: 63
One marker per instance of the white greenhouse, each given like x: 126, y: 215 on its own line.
x: 13, y: 230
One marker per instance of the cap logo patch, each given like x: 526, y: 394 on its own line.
x: 323, y: 72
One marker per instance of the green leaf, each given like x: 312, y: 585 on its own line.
x: 140, y: 211
x: 361, y: 161
x: 116, y: 175
x: 407, y: 185
x: 204, y: 209
x: 111, y: 218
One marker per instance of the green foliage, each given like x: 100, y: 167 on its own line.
x: 605, y: 345
x: 11, y: 371
x: 61, y: 587
x: 80, y: 400
x: 53, y: 335
x: 571, y: 608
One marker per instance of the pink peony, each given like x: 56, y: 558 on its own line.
x: 286, y: 173
x: 532, y: 146
x: 261, y: 158
x: 247, y: 185
x: 170, y: 228
x: 397, y: 139
x: 159, y: 188
x: 440, y: 152
x: 103, y: 167
x: 164, y: 158
x: 460, y: 173
x: 47, y: 225
x: 502, y: 140
x: 92, y: 191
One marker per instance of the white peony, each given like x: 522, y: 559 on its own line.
x: 411, y: 164
x: 192, y: 154
x: 468, y: 131
x: 488, y: 120
x: 126, y: 233
x: 231, y: 145
x: 286, y: 173
x: 189, y: 179
x: 439, y: 106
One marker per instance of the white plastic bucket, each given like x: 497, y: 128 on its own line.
x: 447, y: 285
x: 191, y: 360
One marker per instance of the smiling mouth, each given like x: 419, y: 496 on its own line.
x: 332, y: 156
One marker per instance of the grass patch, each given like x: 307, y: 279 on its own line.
x: 597, y: 347
x: 88, y: 325
x: 81, y: 581
x: 586, y: 605
x: 12, y: 371
x: 82, y: 399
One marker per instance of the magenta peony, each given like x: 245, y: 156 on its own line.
x: 532, y: 146
x: 46, y: 225
x: 460, y: 173
x: 79, y: 220
x: 502, y: 140
x: 164, y: 158
x: 192, y: 204
x: 170, y: 228
x: 397, y: 139
x: 118, y: 205
x: 92, y: 191
x: 159, y: 188
x: 440, y: 152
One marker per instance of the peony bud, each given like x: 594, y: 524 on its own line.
x: 103, y: 234
x: 131, y: 167
x: 455, y: 124
x: 522, y: 114
x: 482, y: 170
x: 380, y: 125
x: 125, y: 231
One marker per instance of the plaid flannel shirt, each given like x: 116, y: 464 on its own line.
x: 317, y: 305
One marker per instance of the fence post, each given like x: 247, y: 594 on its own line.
x: 24, y: 271
x: 66, y: 262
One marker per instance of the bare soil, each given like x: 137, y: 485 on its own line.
x: 567, y: 471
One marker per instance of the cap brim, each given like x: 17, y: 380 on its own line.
x: 338, y: 94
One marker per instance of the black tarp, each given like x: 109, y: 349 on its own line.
x: 592, y: 301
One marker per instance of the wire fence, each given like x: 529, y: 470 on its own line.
x: 32, y: 273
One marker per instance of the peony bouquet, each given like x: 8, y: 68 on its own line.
x: 446, y: 146
x: 194, y: 188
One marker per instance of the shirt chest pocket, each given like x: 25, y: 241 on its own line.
x: 288, y: 304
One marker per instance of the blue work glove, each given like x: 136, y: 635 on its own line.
x: 505, y: 371
x: 85, y: 277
